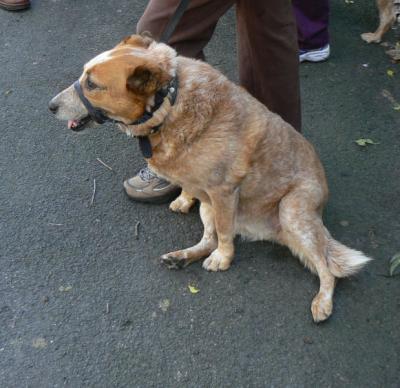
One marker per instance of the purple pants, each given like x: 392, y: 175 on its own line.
x: 312, y: 18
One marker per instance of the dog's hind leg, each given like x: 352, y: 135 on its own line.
x: 303, y: 232
x: 386, y: 18
x: 207, y: 244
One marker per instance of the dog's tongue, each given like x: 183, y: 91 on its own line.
x: 72, y: 123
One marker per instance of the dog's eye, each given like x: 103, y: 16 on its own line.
x: 91, y: 85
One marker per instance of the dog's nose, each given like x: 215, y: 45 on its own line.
x: 53, y: 107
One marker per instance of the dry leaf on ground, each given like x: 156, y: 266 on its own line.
x: 394, y: 263
x: 365, y: 142
x: 193, y: 289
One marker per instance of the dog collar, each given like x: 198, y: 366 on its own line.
x: 170, y: 92
x: 99, y: 116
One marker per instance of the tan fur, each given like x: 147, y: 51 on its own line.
x: 183, y: 203
x: 253, y: 174
x: 387, y: 17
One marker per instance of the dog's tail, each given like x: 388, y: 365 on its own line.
x: 343, y: 261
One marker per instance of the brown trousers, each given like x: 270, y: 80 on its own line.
x: 267, y: 45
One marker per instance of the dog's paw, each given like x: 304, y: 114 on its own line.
x: 173, y: 261
x: 217, y: 262
x: 182, y: 204
x: 321, y: 308
x: 370, y: 37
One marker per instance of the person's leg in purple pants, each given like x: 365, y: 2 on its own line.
x: 312, y: 17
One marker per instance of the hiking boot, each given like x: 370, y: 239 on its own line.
x: 14, y: 5
x: 146, y: 186
x: 317, y: 55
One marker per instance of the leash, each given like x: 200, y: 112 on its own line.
x: 173, y: 22
x: 170, y: 91
x: 144, y: 141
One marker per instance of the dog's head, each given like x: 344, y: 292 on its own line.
x: 120, y: 82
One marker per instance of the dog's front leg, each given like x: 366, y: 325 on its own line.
x: 183, y: 203
x: 182, y: 258
x: 224, y: 203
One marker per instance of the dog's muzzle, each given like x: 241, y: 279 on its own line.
x: 95, y: 114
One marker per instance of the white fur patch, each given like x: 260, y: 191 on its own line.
x: 101, y: 58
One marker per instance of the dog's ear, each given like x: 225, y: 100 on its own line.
x: 147, y: 38
x: 142, y: 40
x: 146, y: 79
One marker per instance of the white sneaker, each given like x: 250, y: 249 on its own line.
x: 317, y: 55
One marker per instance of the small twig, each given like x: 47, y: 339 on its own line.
x: 104, y: 164
x: 107, y: 308
x: 94, y: 192
x: 137, y: 229
x: 389, y: 96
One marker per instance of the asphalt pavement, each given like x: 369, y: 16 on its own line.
x: 84, y: 301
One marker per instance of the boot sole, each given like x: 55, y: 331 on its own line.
x: 9, y: 7
x: 156, y: 200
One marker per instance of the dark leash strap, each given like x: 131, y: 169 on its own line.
x: 173, y: 22
x: 144, y: 141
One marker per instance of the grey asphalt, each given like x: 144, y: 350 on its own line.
x: 85, y: 303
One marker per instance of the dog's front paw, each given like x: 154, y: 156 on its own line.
x: 174, y: 261
x: 370, y: 37
x: 321, y: 308
x: 217, y: 262
x: 182, y: 204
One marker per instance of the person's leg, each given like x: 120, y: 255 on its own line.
x: 195, y: 28
x: 268, y: 56
x: 191, y: 35
x: 312, y: 18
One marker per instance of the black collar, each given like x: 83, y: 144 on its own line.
x: 171, y: 91
x: 100, y: 117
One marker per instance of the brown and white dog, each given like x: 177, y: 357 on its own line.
x: 253, y: 174
x: 389, y: 13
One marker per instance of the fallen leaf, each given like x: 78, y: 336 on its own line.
x: 394, y: 263
x: 39, y: 343
x: 390, y: 72
x: 193, y: 289
x: 164, y: 305
x: 349, y: 1
x: 8, y: 92
x: 396, y: 107
x: 365, y: 142
x: 65, y: 289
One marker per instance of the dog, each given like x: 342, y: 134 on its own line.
x: 252, y: 172
x: 389, y: 13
